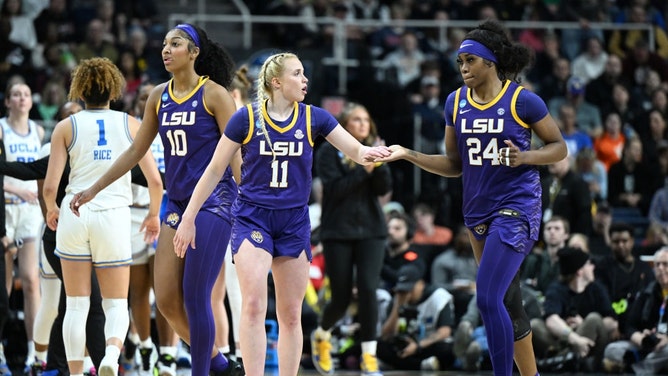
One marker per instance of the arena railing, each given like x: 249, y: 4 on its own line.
x: 339, y: 54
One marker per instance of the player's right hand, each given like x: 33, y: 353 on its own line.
x: 184, y: 237
x: 80, y: 199
x: 52, y: 218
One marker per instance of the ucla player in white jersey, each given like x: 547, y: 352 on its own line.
x: 92, y: 140
x: 23, y: 140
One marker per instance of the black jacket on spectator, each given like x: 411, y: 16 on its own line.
x: 355, y: 186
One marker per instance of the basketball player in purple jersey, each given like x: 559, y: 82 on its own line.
x: 489, y: 122
x: 190, y: 111
x: 272, y: 229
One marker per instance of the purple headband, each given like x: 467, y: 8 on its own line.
x: 472, y: 47
x: 192, y: 33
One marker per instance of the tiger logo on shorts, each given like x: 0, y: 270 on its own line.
x: 257, y: 236
x: 480, y: 229
x: 172, y: 219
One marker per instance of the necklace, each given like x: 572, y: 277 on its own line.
x: 627, y: 268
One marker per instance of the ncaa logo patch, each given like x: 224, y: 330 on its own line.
x: 480, y: 229
x: 257, y: 237
x: 172, y: 219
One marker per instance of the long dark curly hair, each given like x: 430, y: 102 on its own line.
x: 512, y: 58
x: 213, y: 59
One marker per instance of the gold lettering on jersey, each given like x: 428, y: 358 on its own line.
x: 483, y: 126
x: 283, y: 148
x: 178, y: 118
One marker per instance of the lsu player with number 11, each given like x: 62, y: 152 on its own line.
x: 272, y: 228
x: 489, y: 125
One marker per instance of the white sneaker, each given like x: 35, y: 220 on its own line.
x: 430, y: 364
x: 108, y: 367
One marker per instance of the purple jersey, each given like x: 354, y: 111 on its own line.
x: 481, y: 130
x: 190, y: 133
x: 276, y: 170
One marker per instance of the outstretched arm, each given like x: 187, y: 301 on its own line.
x: 448, y: 165
x: 359, y: 153
x: 25, y: 171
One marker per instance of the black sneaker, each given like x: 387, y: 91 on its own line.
x: 234, y: 368
x: 37, y: 368
x: 166, y: 365
x: 149, y: 356
x: 128, y: 356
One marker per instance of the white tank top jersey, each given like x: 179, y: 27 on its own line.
x: 21, y: 148
x: 140, y: 194
x: 98, y: 139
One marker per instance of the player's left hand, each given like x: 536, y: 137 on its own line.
x: 510, y: 156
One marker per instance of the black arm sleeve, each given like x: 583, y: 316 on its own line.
x: 139, y: 178
x: 25, y: 171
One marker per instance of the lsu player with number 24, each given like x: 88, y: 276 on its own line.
x: 489, y: 125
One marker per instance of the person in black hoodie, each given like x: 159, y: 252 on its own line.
x: 353, y: 233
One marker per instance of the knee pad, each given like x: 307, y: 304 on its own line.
x: 48, y: 310
x: 117, y: 318
x: 513, y: 303
x: 74, y: 333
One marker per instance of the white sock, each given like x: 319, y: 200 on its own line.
x: 146, y: 343
x: 40, y: 355
x: 168, y: 350
x: 323, y: 334
x: 134, y: 338
x: 31, y: 351
x: 369, y: 347
x: 88, y: 363
x: 224, y: 349
x: 112, y: 352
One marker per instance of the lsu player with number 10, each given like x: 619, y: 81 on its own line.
x: 190, y: 112
x: 489, y: 125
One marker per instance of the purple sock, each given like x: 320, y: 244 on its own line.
x: 219, y: 363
